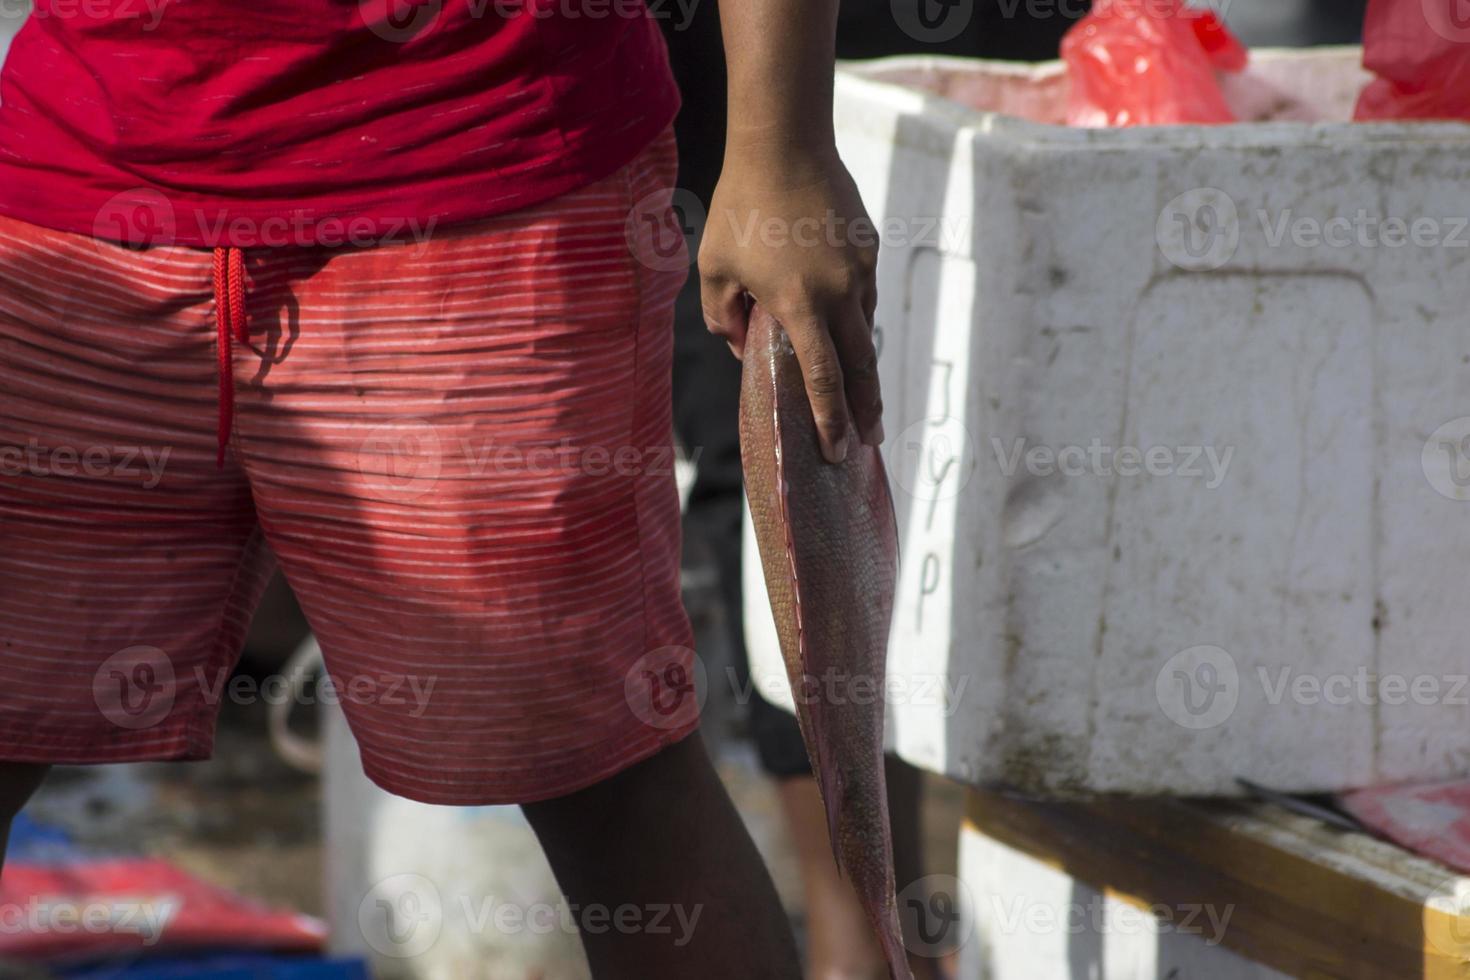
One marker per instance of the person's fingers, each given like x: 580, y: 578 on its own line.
x: 726, y: 311
x: 853, y: 336
x: 821, y: 368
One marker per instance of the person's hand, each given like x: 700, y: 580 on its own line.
x: 787, y: 229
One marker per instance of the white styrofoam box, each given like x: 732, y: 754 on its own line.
x: 1184, y: 485
x: 11, y: 17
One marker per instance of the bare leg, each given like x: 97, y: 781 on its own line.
x: 664, y: 835
x: 17, y: 782
x: 840, y: 940
x: 905, y: 807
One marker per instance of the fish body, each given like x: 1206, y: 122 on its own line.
x: 828, y: 543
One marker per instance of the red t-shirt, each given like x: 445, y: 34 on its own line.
x: 275, y: 122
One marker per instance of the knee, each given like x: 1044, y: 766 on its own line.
x: 670, y: 782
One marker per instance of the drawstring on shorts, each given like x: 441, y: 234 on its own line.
x: 229, y: 314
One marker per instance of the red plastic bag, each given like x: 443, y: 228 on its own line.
x: 1432, y: 819
x: 1420, y: 51
x: 1148, y: 63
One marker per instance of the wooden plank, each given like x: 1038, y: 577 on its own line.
x: 1304, y: 899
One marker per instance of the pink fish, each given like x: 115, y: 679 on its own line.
x: 829, y: 546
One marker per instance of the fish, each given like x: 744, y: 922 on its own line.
x: 828, y: 543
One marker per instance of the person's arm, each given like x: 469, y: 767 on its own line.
x: 786, y: 225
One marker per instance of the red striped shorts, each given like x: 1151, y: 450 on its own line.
x: 458, y: 450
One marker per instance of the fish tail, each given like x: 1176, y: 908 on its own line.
x: 896, y: 955
x: 890, y: 940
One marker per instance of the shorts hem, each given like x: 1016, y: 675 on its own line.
x: 189, y: 739
x: 562, y: 781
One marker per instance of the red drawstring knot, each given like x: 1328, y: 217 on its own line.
x: 229, y: 314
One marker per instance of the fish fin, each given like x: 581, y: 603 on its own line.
x: 829, y: 784
x: 892, y: 515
